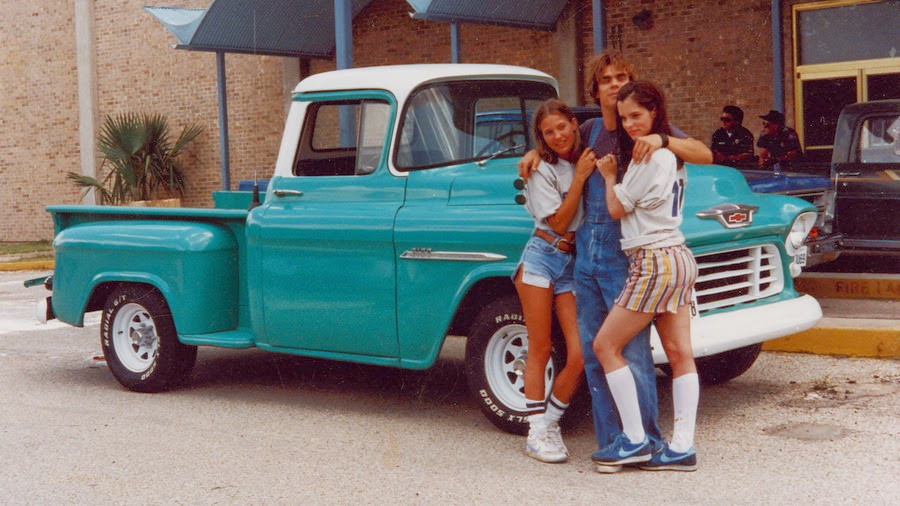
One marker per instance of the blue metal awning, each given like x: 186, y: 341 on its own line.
x: 270, y: 27
x: 307, y: 29
x: 536, y: 15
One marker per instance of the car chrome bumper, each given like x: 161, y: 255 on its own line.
x: 735, y: 329
x: 884, y: 247
x: 823, y: 249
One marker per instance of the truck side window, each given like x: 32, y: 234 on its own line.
x: 344, y: 138
x: 878, y: 141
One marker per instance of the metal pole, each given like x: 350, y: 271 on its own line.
x: 777, y: 58
x: 454, y: 42
x: 343, y: 33
x: 599, y: 12
x: 223, y: 119
x: 343, y: 49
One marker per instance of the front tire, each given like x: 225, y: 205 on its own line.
x: 725, y: 366
x: 496, y: 350
x: 139, y: 340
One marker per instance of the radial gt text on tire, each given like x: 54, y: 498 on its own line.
x: 496, y: 351
x: 139, y: 340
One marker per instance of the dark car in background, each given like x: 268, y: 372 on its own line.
x: 865, y: 166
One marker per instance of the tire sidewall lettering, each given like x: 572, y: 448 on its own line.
x: 494, y: 407
x: 504, y: 318
x: 109, y: 317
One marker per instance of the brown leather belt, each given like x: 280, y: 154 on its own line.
x: 565, y: 243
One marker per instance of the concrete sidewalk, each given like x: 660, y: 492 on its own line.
x: 861, y: 312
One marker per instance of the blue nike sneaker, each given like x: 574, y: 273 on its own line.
x: 623, y: 451
x: 667, y: 460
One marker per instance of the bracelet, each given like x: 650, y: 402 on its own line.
x: 665, y: 140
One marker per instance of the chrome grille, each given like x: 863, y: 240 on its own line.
x: 737, y: 276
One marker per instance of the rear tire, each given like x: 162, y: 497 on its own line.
x: 139, y: 340
x: 496, y: 351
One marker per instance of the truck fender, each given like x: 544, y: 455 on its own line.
x: 194, y: 265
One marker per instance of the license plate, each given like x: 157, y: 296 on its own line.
x: 800, y: 257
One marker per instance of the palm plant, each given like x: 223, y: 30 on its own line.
x: 139, y: 157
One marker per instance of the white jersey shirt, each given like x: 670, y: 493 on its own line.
x: 547, y: 188
x: 652, y: 194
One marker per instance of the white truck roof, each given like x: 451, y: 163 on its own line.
x: 401, y: 79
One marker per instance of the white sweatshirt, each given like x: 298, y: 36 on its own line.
x: 652, y: 194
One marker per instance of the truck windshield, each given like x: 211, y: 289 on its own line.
x: 456, y: 122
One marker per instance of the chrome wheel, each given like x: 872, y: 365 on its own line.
x: 134, y: 336
x: 504, y: 366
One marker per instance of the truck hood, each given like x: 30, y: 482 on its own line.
x: 709, y: 186
x: 491, y: 184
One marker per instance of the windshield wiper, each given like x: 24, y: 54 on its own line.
x: 495, y: 154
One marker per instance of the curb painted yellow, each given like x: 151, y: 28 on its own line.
x: 34, y: 265
x: 849, y: 286
x: 842, y: 336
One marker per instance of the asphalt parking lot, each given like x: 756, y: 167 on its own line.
x: 257, y: 428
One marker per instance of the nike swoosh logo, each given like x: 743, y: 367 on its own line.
x: 666, y: 460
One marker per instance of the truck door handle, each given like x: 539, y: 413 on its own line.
x: 845, y: 174
x: 285, y: 193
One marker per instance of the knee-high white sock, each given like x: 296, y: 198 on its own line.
x: 624, y: 392
x: 685, y: 397
x: 555, y: 409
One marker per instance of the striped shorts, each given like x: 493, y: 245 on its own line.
x: 659, y: 279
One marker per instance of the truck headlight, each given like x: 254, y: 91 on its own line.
x: 799, y: 230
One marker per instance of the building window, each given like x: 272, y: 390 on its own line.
x: 829, y: 33
x: 844, y: 52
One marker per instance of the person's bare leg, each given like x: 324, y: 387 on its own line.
x: 675, y: 334
x: 569, y: 378
x: 620, y: 326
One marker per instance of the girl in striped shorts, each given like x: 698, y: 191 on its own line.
x: 661, y: 280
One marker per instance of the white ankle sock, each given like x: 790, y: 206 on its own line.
x: 624, y: 392
x: 536, y: 424
x: 555, y: 409
x: 685, y: 398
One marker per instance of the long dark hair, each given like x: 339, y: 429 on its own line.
x: 546, y: 108
x: 650, y: 97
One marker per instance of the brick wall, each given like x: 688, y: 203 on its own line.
x: 38, y: 115
x: 138, y: 70
x: 705, y: 54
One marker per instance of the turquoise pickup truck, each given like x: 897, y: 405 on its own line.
x: 391, y: 222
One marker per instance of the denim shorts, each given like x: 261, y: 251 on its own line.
x: 543, y: 265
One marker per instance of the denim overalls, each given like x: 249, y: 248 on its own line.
x: 601, y: 270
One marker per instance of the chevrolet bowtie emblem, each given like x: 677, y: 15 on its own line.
x: 730, y: 215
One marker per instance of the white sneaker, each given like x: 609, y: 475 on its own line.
x: 555, y: 435
x: 541, y: 446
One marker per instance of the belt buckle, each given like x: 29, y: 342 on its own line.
x: 562, y: 241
